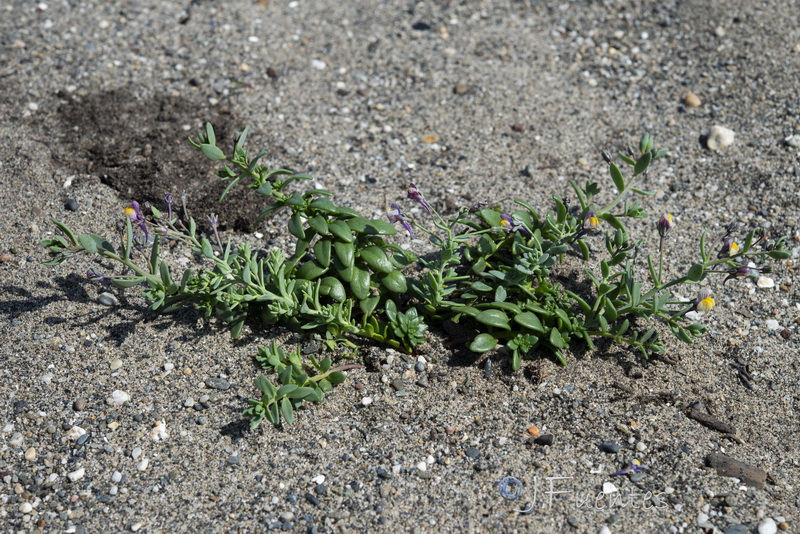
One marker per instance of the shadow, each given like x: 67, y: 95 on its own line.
x: 236, y: 430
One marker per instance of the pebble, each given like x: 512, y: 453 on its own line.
x: 71, y: 204
x: 142, y: 466
x: 719, y: 137
x: 608, y: 447
x: 74, y: 433
x: 472, y: 452
x: 113, y: 425
x: 107, y: 299
x: 366, y: 401
x: 544, y: 439
x: 120, y: 397
x: 16, y: 440
x: 116, y: 363
x: 423, y: 381
x: 116, y: 477
x: 136, y: 526
x: 764, y: 282
x: 188, y: 402
x: 217, y: 383
x: 398, y: 384
x: 79, y: 404
x: 420, y: 365
x: 772, y: 324
x: 605, y: 530
x: 136, y: 452
x: 76, y: 475
x: 25, y: 508
x: 692, y: 100
x: 768, y: 526
x: 793, y: 141
x: 82, y: 439
x: 30, y: 454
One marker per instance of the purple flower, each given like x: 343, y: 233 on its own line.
x: 135, y: 215
x: 508, y: 224
x: 729, y: 248
x: 664, y: 224
x: 395, y: 215
x: 629, y: 470
x: 168, y: 198
x: 97, y: 277
x: 415, y: 194
x: 742, y: 271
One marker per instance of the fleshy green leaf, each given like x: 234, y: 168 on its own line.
x: 483, y: 343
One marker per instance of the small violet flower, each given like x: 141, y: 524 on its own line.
x: 168, y: 198
x: 97, y: 277
x: 590, y: 222
x: 416, y: 195
x: 134, y: 213
x: 635, y: 467
x: 664, y: 224
x: 508, y: 224
x: 729, y: 248
x: 395, y: 215
x: 742, y: 271
x: 704, y: 302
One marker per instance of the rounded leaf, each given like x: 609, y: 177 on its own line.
x: 362, y: 225
x: 345, y: 252
x: 296, y: 226
x: 530, y: 321
x: 322, y: 251
x: 333, y: 287
x: 495, y: 318
x: 483, y: 343
x: 376, y: 258
x: 359, y: 285
x: 395, y: 282
x: 341, y: 231
x: 696, y: 272
x: 311, y: 270
x: 318, y: 223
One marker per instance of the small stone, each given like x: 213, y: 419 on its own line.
x: 719, y: 137
x: 79, y: 404
x: 422, y: 466
x: 136, y: 526
x: 16, y: 439
x: 115, y: 364
x: 768, y: 526
x: 107, y: 299
x: 159, y: 431
x: 609, y: 488
x: 366, y: 401
x: 30, y: 454
x: 472, y: 452
x: 120, y: 397
x: 793, y: 141
x: 533, y: 430
x: 544, y: 439
x: 398, y: 384
x: 136, y: 452
x: 420, y: 365
x: 188, y: 402
x: 772, y: 324
x: 76, y: 475
x: 74, y: 433
x: 691, y: 100
x: 641, y: 446
x: 608, y: 447
x: 233, y: 459
x: 423, y: 381
x: 783, y: 525
x: 71, y: 204
x: 169, y: 367
x: 116, y: 477
x: 217, y: 383
x: 605, y: 530
x: 764, y: 282
x: 461, y: 89
x: 318, y: 64
x: 429, y: 139
x: 786, y: 333
x: 142, y: 466
x: 518, y: 127
x: 25, y: 508
x: 83, y: 439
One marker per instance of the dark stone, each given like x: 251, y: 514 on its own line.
x: 472, y: 452
x: 71, y: 204
x: 608, y: 447
x: 313, y: 500
x: 544, y: 439
x: 421, y: 26
x: 383, y: 473
x: 321, y: 489
x: 217, y: 383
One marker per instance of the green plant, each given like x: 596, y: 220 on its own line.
x: 344, y: 280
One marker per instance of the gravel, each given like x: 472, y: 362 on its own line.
x: 471, y: 101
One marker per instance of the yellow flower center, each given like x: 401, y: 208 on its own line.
x: 734, y: 249
x: 130, y: 212
x: 705, y: 305
x: 592, y: 223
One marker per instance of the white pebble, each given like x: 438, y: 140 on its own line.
x: 16, y: 440
x: 169, y: 367
x: 116, y: 363
x: 772, y: 324
x: 319, y: 479
x: 768, y: 526
x: 793, y: 141
x: 318, y: 64
x: 422, y: 466
x: 608, y: 488
x: 107, y: 299
x: 159, y: 431
x: 46, y: 378
x: 605, y: 530
x: 430, y: 459
x: 33, y: 106
x: 76, y: 475
x: 188, y: 403
x: 136, y: 452
x: 25, y: 508
x: 719, y: 137
x: 641, y: 446
x: 116, y: 477
x: 74, y: 433
x: 9, y: 427
x: 765, y: 282
x: 143, y: 464
x: 30, y: 454
x: 366, y: 401
x: 136, y: 526
x: 120, y: 397
x: 702, y: 518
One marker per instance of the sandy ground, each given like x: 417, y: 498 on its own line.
x: 470, y: 100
